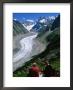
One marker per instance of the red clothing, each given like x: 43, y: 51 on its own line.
x: 35, y: 71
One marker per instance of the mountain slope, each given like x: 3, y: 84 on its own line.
x: 56, y: 23
x: 18, y: 28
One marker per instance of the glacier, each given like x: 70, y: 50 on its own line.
x: 29, y: 47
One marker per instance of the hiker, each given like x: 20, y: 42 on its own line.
x: 34, y: 71
x: 48, y: 71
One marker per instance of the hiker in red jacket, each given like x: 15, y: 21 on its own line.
x: 34, y: 71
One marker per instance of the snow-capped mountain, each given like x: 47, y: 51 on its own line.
x: 43, y: 20
x: 46, y: 19
x: 28, y: 24
x: 52, y: 17
x: 40, y: 25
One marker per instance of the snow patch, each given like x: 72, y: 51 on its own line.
x: 52, y: 17
x: 43, y: 21
x: 15, y: 19
x: 28, y: 27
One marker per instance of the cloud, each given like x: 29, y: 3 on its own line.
x: 29, y: 20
